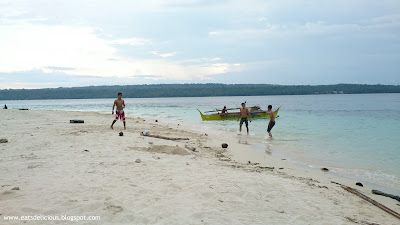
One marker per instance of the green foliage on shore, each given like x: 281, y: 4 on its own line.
x: 191, y: 90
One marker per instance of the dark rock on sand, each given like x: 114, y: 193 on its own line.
x: 325, y: 169
x: 224, y: 145
x: 359, y: 184
x: 15, y: 189
x: 3, y: 140
x: 121, y: 133
x: 76, y: 121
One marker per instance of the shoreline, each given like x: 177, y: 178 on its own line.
x: 256, y: 145
x: 259, y: 145
x: 43, y: 145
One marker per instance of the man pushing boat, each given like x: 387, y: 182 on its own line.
x: 271, y: 123
x: 244, y: 113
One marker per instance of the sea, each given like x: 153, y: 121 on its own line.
x: 356, y: 136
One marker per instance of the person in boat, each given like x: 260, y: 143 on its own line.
x: 271, y: 123
x: 5, y: 107
x: 224, y: 111
x: 244, y: 117
x: 119, y: 113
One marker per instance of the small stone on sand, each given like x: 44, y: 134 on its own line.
x: 359, y: 184
x: 325, y: 169
x: 15, y: 189
x: 138, y: 161
x: 224, y: 145
x: 3, y: 140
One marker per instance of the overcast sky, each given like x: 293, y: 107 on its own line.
x: 54, y: 43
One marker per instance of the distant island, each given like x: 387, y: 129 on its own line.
x: 191, y: 90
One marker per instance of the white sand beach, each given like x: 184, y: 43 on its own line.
x: 87, y: 169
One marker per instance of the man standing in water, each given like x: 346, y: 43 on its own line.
x: 119, y: 113
x: 271, y: 123
x: 244, y: 112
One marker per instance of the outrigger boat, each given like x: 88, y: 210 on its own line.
x: 255, y: 112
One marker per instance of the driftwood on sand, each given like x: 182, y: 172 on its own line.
x: 370, y: 200
x: 163, y: 137
x: 386, y: 195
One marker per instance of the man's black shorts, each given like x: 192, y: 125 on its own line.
x: 244, y: 120
x: 271, y: 125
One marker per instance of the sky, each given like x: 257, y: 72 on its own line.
x: 59, y: 43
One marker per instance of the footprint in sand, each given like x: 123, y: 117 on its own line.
x: 8, y: 195
x: 112, y: 207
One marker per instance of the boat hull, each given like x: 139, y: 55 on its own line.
x: 235, y: 116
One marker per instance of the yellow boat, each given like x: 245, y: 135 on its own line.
x: 255, y: 113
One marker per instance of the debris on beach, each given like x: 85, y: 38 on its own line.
x: 85, y: 150
x: 156, y: 121
x: 253, y: 163
x: 325, y: 169
x: 359, y: 184
x: 386, y: 194
x: 224, y: 145
x: 368, y: 199
x: 193, y: 149
x: 76, y: 121
x: 281, y: 168
x: 121, y: 133
x: 15, y: 189
x: 3, y: 140
x: 138, y: 161
x: 266, y: 167
x: 162, y: 137
x: 145, y: 133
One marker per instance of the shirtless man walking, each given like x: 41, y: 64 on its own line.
x: 271, y: 123
x: 119, y: 113
x: 244, y: 113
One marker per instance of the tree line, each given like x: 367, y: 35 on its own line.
x: 191, y: 90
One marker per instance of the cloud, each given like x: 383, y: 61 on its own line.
x: 196, y: 40
x: 59, y: 68
x: 164, y: 55
x: 147, y: 76
x: 79, y: 51
x: 131, y: 41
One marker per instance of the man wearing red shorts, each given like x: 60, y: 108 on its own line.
x: 119, y: 113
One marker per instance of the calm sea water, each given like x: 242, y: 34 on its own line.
x: 357, y: 136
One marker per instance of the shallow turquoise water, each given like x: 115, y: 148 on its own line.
x: 357, y: 136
